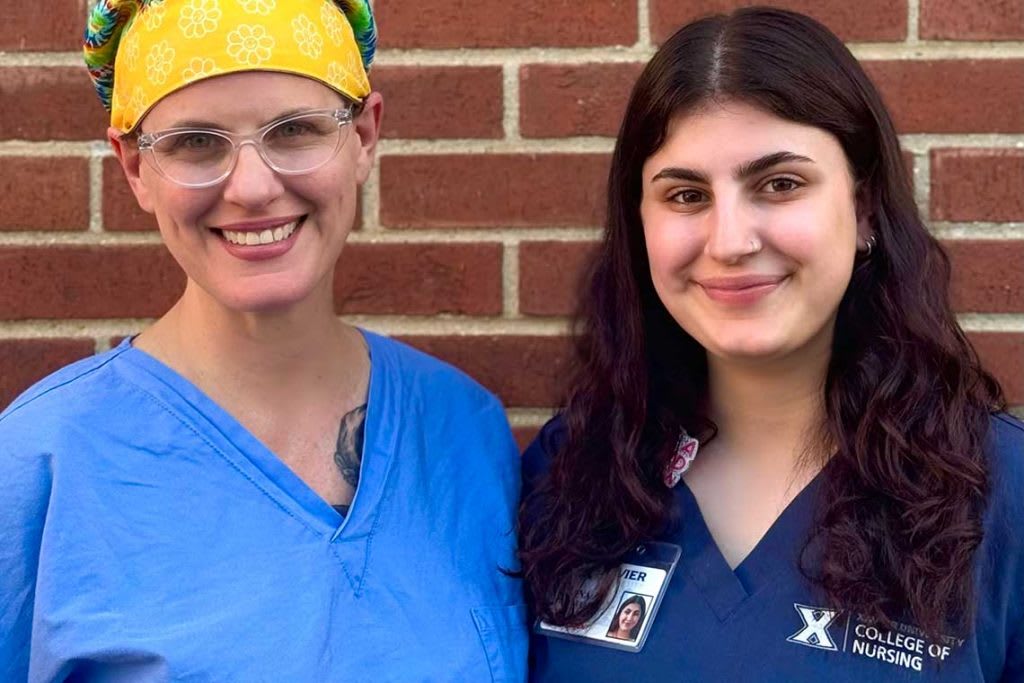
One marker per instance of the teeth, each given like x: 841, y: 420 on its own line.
x: 253, y: 238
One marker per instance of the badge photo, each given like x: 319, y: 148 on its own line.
x: 631, y: 606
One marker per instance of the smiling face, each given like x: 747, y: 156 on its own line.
x: 751, y: 229
x: 308, y: 216
x: 629, y: 617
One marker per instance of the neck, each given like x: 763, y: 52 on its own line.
x: 770, y: 410
x: 215, y: 347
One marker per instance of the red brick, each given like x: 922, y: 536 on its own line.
x: 87, y: 282
x: 977, y: 184
x: 499, y: 23
x: 120, y: 210
x: 143, y: 281
x: 23, y: 362
x: 550, y: 276
x: 524, y: 371
x: 987, y: 275
x: 492, y: 190
x: 585, y: 99
x: 49, y: 103
x: 441, y: 102
x: 868, y: 20
x: 972, y: 20
x: 420, y: 279
x: 1002, y: 353
x: 524, y: 436
x: 44, y: 193
x: 952, y: 95
x: 60, y: 30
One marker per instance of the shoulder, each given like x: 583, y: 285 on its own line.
x: 424, y: 373
x: 1001, y: 556
x: 56, y: 415
x: 1007, y: 438
x: 1006, y: 465
x: 1006, y: 453
x: 446, y: 407
x: 74, y: 390
x: 539, y: 454
x: 1004, y: 515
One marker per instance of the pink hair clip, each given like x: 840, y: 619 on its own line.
x: 685, y: 453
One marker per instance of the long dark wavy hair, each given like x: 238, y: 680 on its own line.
x: 907, y: 404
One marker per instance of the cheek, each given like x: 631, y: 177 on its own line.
x: 820, y: 237
x: 330, y: 188
x: 176, y: 207
x: 673, y: 243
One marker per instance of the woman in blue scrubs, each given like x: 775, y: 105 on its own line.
x: 251, y: 489
x: 771, y: 381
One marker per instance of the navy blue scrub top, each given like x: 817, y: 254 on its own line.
x: 764, y: 622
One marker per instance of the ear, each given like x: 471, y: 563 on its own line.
x: 367, y: 129
x: 128, y: 154
x: 865, y: 212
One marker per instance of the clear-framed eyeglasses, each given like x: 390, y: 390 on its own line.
x: 203, y: 157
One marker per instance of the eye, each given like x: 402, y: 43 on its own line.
x: 191, y: 144
x: 688, y: 196
x: 781, y: 185
x: 290, y: 129
x: 192, y: 141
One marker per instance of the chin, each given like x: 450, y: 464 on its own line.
x: 747, y: 347
x: 263, y: 300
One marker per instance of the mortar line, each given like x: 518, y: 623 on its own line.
x: 95, y: 194
x: 913, y: 22
x: 645, y: 41
x: 900, y: 50
x: 510, y: 281
x: 511, y: 103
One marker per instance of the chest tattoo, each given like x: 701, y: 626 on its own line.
x: 348, y: 453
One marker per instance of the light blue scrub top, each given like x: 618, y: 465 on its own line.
x: 147, y: 536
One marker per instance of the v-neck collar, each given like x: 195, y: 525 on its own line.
x: 254, y: 461
x: 724, y: 588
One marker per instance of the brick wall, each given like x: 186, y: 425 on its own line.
x: 498, y: 125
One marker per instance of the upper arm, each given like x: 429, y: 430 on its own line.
x: 24, y: 495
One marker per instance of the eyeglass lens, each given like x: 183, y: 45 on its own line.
x: 296, y: 145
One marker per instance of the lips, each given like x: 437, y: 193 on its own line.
x: 741, y: 290
x: 261, y: 240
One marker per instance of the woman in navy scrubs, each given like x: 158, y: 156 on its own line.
x: 766, y: 286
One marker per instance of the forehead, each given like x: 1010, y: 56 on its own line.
x: 718, y: 136
x: 240, y: 100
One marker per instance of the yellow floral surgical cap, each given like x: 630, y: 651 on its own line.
x: 139, y: 51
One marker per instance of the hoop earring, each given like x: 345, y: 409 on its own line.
x: 869, y: 245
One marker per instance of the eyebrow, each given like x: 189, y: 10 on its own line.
x: 199, y: 123
x: 742, y: 172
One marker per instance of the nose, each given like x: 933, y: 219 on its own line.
x: 733, y: 232
x: 252, y: 183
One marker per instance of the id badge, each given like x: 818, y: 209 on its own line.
x: 631, y: 606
